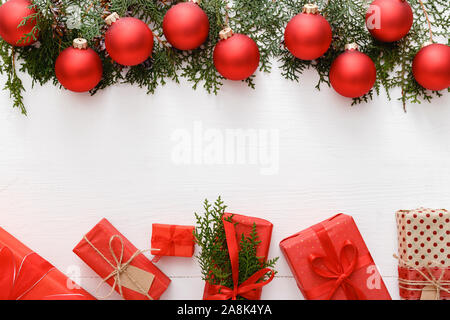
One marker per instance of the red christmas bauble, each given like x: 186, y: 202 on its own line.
x: 12, y: 14
x: 353, y: 73
x: 389, y: 20
x: 129, y: 41
x: 308, y: 35
x: 431, y: 66
x: 79, y: 68
x: 186, y: 26
x: 236, y: 57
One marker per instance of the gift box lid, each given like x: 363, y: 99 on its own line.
x: 424, y: 237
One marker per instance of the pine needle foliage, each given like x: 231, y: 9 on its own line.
x: 214, y: 258
x: 59, y: 22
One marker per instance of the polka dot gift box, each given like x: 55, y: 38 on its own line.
x: 424, y: 254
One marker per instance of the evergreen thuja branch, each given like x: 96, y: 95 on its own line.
x: 210, y: 236
x: 197, y: 65
x: 214, y: 258
x: 13, y: 83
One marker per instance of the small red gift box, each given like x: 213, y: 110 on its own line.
x: 24, y: 275
x: 423, y: 253
x: 119, y: 263
x: 172, y: 240
x: 330, y: 260
x: 244, y: 226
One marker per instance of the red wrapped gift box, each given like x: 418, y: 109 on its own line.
x: 24, y: 275
x: 172, y: 240
x: 330, y: 260
x: 244, y: 226
x: 119, y: 263
x: 423, y: 253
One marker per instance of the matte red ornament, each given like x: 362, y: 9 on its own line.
x: 431, y: 66
x: 186, y: 26
x: 353, y: 73
x: 79, y: 68
x: 128, y: 41
x: 308, y: 35
x: 236, y: 56
x: 12, y: 14
x: 389, y: 20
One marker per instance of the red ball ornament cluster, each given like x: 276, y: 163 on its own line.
x: 236, y: 56
x: 186, y: 25
x: 79, y: 68
x: 12, y: 13
x: 128, y: 41
x: 353, y: 73
x: 308, y: 35
x: 391, y: 20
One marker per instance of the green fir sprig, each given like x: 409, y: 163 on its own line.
x: 59, y: 22
x: 214, y: 258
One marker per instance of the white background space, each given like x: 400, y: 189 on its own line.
x: 76, y: 159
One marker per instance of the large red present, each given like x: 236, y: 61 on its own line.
x: 330, y: 260
x: 119, y: 263
x: 25, y: 275
x: 244, y: 227
x: 172, y: 240
x: 423, y: 253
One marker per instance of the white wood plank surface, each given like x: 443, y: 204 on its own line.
x: 76, y: 159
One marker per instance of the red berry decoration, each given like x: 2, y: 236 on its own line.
x: 236, y: 56
x: 12, y: 14
x: 389, y: 20
x: 129, y: 41
x: 308, y: 35
x: 79, y: 68
x: 431, y: 66
x: 353, y: 73
x: 186, y: 25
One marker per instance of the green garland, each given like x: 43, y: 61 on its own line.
x: 214, y: 259
x: 59, y: 22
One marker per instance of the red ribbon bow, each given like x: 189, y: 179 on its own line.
x: 15, y: 283
x: 184, y: 237
x: 338, y: 269
x: 247, y: 288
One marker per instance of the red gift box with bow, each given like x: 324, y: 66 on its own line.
x: 330, y: 260
x: 244, y: 226
x: 120, y: 264
x: 25, y: 275
x: 172, y: 240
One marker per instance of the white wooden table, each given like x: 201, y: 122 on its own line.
x: 76, y: 159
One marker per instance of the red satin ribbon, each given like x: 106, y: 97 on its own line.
x: 15, y: 283
x: 407, y: 274
x: 247, y: 288
x: 336, y: 268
